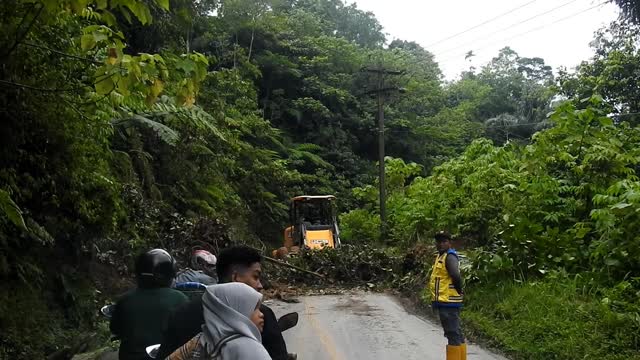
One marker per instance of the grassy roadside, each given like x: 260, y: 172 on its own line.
x: 553, y: 319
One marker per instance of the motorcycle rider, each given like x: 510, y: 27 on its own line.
x: 140, y: 315
x: 235, y: 264
x: 233, y: 323
x: 202, y: 270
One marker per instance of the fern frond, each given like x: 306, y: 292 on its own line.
x: 164, y: 132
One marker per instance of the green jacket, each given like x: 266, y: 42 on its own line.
x: 140, y: 317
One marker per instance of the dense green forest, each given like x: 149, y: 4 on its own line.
x: 137, y: 123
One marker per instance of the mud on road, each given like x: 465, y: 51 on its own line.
x: 364, y: 326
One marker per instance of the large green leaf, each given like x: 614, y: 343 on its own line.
x: 105, y: 86
x: 163, y: 4
x: 11, y: 210
x: 87, y: 42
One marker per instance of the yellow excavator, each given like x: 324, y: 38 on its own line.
x: 313, y: 225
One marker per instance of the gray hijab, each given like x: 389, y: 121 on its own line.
x: 227, y: 311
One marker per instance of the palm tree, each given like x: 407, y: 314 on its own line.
x: 469, y: 55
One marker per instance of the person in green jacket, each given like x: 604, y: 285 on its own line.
x: 140, y: 315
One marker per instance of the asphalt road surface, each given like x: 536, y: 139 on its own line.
x: 364, y: 326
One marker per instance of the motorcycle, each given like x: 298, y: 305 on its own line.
x: 191, y: 289
x: 107, y: 310
x: 285, y: 323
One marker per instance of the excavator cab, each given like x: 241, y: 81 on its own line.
x: 313, y: 223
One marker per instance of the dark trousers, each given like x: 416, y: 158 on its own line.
x: 450, y: 320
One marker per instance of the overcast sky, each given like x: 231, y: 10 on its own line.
x: 558, y: 31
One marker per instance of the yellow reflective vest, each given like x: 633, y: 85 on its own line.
x: 443, y: 293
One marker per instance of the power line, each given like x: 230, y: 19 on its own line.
x: 509, y: 27
x: 530, y: 31
x: 534, y: 29
x: 481, y: 24
x: 495, y: 32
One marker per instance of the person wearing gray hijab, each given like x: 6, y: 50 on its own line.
x: 228, y: 329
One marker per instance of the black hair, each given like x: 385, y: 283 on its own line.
x: 442, y: 236
x: 234, y: 256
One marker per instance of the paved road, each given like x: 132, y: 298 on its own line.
x: 364, y: 326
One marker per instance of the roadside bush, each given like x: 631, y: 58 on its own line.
x: 568, y: 200
x: 555, y: 318
x: 360, y: 226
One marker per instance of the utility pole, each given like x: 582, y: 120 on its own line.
x: 381, y: 91
x: 381, y: 175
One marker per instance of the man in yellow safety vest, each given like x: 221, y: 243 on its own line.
x: 447, y: 294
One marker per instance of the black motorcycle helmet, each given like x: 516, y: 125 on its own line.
x: 154, y: 269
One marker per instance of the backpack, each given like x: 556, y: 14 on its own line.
x: 194, y: 349
x: 217, y: 350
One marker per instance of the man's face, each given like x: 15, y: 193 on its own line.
x: 443, y: 245
x: 249, y: 276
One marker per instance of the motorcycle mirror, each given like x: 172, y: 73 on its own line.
x: 152, y: 350
x: 107, y: 311
x: 288, y: 321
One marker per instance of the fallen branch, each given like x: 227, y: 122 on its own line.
x: 282, y: 263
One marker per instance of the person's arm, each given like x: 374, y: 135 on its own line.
x: 272, y: 339
x: 453, y: 268
x: 205, y: 279
x: 186, y: 349
x: 183, y: 324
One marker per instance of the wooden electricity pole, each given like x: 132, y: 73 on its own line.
x: 381, y: 91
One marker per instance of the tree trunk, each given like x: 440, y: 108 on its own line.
x: 253, y: 32
x: 266, y: 99
x: 235, y: 51
x: 188, y: 40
